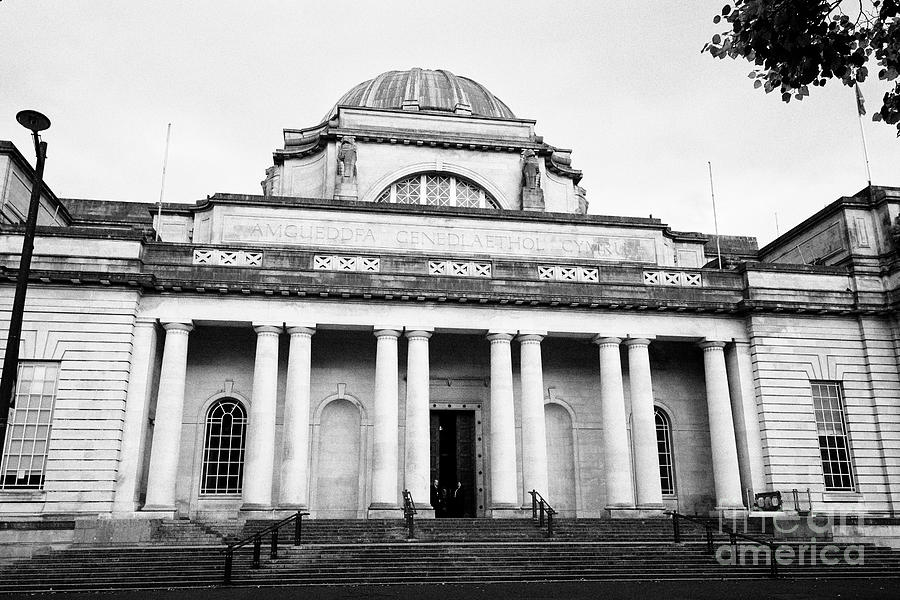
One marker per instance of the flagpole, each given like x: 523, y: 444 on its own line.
x: 162, y: 185
x: 860, y: 111
x: 712, y: 193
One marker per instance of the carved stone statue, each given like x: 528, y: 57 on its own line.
x: 894, y: 232
x: 531, y: 170
x: 270, y: 183
x: 347, y: 158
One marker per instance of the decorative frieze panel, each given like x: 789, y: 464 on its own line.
x: 227, y: 258
x: 568, y: 273
x: 457, y: 268
x: 673, y: 278
x: 365, y: 264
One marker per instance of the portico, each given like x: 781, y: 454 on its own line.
x: 395, y: 379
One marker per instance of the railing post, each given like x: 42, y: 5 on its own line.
x: 273, y: 553
x: 773, y: 564
x: 533, y: 504
x: 257, y: 545
x: 229, y: 555
x: 541, y: 521
x: 549, y: 523
x: 298, y: 528
x: 709, y: 540
x: 676, y: 528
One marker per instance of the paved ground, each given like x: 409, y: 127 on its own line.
x: 688, y: 590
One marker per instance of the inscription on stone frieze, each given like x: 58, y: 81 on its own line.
x: 435, y: 239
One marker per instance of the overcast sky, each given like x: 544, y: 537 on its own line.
x: 623, y: 84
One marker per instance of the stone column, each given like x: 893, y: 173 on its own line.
x: 721, y: 429
x: 137, y: 406
x: 746, y: 418
x: 616, y: 455
x: 534, y: 434
x: 418, y: 422
x: 294, y: 490
x: 643, y: 426
x: 386, y: 453
x: 166, y: 446
x: 503, y: 425
x: 259, y: 456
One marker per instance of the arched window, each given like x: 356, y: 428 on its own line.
x: 664, y: 448
x: 437, y: 189
x: 223, y: 448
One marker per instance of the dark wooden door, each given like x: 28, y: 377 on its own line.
x: 465, y: 460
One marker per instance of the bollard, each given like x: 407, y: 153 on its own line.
x: 676, y: 528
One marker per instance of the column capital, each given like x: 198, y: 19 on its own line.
x: 603, y: 340
x: 267, y: 328
x: 499, y: 337
x: 387, y: 332
x: 417, y: 334
x: 530, y: 338
x: 300, y: 330
x: 637, y: 341
x: 711, y: 345
x: 175, y: 326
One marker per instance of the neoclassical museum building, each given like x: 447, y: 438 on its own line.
x: 420, y: 293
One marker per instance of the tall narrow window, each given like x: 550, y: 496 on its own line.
x: 664, y: 448
x: 223, y: 450
x: 834, y: 445
x: 28, y: 433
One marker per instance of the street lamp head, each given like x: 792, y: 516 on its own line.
x: 33, y: 120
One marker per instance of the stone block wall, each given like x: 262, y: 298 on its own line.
x: 89, y: 334
x: 860, y: 353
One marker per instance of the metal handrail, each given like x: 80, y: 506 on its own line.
x: 256, y: 538
x: 409, y: 512
x: 539, y: 506
x: 732, y: 537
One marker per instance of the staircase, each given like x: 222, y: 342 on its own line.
x: 186, y: 554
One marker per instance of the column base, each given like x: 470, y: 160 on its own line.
x: 651, y: 511
x: 729, y: 512
x: 384, y: 510
x: 423, y: 512
x: 509, y: 511
x: 253, y: 510
x: 619, y: 511
x: 293, y: 507
x: 158, y: 511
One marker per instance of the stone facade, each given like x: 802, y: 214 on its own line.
x: 346, y: 309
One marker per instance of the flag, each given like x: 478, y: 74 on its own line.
x: 860, y: 101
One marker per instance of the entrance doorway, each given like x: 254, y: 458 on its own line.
x: 454, y: 462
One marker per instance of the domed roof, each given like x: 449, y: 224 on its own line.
x: 423, y: 89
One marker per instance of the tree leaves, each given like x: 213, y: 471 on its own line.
x: 795, y: 43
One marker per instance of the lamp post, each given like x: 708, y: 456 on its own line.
x: 35, y: 122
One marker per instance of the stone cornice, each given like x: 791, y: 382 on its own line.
x: 9, y: 149
x: 426, y: 290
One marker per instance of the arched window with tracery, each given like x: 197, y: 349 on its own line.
x: 664, y: 448
x: 437, y: 189
x: 223, y: 448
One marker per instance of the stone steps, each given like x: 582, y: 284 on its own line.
x: 447, y: 551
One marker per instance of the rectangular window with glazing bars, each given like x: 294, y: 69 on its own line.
x: 834, y: 443
x: 24, y: 462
